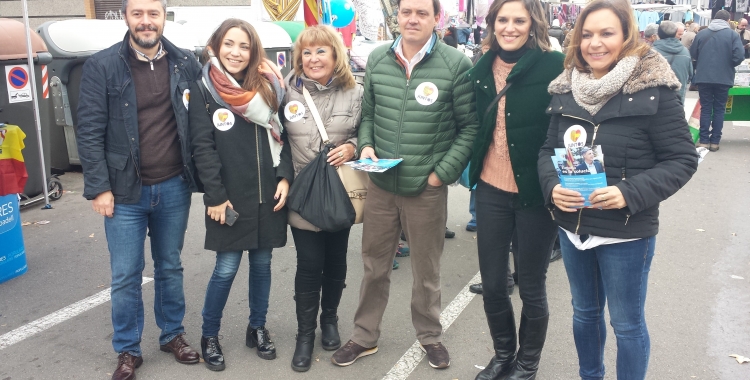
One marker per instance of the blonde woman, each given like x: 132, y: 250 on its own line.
x: 320, y: 67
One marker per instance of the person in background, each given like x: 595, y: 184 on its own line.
x: 716, y: 53
x: 676, y: 54
x: 234, y: 127
x: 651, y: 33
x: 680, y: 30
x: 477, y: 34
x: 689, y: 35
x: 744, y: 36
x: 432, y: 128
x: 508, y: 193
x: 623, y: 94
x: 321, y: 69
x: 556, y: 32
x: 132, y: 121
x: 450, y: 37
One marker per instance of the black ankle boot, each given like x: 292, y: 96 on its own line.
x: 503, y: 332
x: 212, y: 355
x: 531, y: 336
x: 329, y: 304
x: 261, y: 338
x: 307, y: 312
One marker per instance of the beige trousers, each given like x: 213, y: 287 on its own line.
x: 423, y: 220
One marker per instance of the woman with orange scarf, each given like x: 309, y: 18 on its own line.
x: 246, y: 170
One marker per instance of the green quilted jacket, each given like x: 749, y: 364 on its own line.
x: 429, y: 120
x: 526, y: 122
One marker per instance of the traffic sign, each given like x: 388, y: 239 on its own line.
x: 18, y: 78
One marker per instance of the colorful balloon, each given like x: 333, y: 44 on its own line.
x: 342, y: 13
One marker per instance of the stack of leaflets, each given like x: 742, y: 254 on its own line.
x: 371, y: 166
x: 580, y: 167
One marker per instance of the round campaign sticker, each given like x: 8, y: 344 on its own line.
x: 186, y: 98
x: 294, y: 111
x: 223, y: 119
x: 575, y: 137
x: 426, y: 93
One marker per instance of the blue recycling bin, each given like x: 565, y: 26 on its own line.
x: 12, y: 250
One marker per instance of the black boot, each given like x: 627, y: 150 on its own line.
x: 531, y: 338
x: 307, y: 312
x: 503, y: 333
x: 261, y: 338
x: 212, y: 355
x: 329, y: 305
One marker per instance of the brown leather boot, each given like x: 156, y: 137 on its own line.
x: 181, y: 350
x: 126, y: 365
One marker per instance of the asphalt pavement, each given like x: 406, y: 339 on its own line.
x: 698, y: 304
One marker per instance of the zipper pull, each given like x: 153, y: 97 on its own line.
x: 152, y: 65
x: 626, y: 219
x: 551, y: 213
x: 623, y: 174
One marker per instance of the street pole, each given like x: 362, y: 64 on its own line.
x: 35, y: 101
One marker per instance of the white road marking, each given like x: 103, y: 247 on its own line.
x: 414, y: 355
x: 10, y: 338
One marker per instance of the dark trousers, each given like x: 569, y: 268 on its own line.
x: 319, y: 254
x: 496, y: 220
x: 713, y: 98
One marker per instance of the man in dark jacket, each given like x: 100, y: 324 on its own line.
x: 418, y: 106
x: 676, y: 54
x: 134, y: 149
x: 556, y: 31
x: 716, y: 51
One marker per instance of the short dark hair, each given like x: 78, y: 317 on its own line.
x: 435, y: 6
x: 125, y: 5
x: 722, y: 15
x: 667, y: 29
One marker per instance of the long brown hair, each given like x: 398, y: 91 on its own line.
x: 254, y: 80
x: 632, y: 45
x: 539, y: 37
x: 324, y: 35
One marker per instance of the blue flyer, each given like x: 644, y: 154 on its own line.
x: 580, y: 168
x: 371, y: 166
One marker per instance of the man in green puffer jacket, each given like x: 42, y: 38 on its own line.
x: 418, y: 105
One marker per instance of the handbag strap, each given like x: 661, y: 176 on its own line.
x: 497, y: 98
x: 315, y: 114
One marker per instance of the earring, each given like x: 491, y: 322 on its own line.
x: 531, y: 34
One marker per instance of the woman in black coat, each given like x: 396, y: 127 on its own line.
x: 245, y: 169
x: 619, y: 94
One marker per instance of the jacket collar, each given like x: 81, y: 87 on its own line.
x: 174, y: 54
x: 482, y: 71
x: 642, y: 103
x: 430, y: 45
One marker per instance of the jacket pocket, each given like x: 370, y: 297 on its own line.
x: 118, y: 177
x: 114, y: 93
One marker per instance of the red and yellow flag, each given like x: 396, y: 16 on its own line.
x: 312, y: 12
x: 13, y: 173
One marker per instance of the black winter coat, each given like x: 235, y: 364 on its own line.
x: 648, y: 155
x: 236, y: 165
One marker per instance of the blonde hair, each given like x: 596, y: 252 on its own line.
x: 633, y: 46
x: 323, y: 35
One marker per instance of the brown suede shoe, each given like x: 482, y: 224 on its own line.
x: 713, y: 147
x: 126, y: 365
x: 437, y: 355
x: 182, y: 351
x: 350, y: 352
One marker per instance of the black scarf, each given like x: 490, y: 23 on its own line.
x: 512, y: 56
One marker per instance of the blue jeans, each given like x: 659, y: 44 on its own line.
x: 162, y: 213
x: 472, y: 209
x: 217, y: 292
x: 618, y: 274
x: 713, y: 98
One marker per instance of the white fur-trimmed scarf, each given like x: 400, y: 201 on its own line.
x: 651, y: 70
